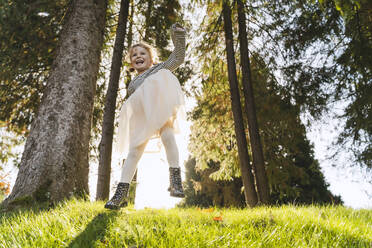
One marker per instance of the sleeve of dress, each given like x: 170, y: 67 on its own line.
x: 178, y: 55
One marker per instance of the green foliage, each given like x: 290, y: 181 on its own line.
x: 327, y: 49
x: 67, y: 225
x: 293, y: 173
x: 356, y: 60
x: 28, y: 36
x: 320, y: 52
x: 307, y: 58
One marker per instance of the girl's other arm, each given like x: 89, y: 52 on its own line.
x: 178, y: 55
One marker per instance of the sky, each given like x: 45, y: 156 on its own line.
x: 345, y: 178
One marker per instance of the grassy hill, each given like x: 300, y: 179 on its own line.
x: 77, y: 223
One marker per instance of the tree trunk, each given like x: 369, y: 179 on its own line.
x: 130, y: 26
x: 247, y: 177
x: 128, y: 75
x: 250, y: 109
x: 54, y: 163
x: 105, y: 146
x: 150, y: 4
x: 133, y: 186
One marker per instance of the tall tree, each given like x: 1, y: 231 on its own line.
x: 246, y: 172
x: 54, y: 164
x: 105, y: 146
x: 250, y: 109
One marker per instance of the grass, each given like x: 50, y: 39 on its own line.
x: 77, y: 223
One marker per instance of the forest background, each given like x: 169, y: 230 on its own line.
x: 311, y: 68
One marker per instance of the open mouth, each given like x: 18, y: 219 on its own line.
x: 140, y: 62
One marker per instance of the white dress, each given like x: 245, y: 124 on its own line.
x: 159, y: 101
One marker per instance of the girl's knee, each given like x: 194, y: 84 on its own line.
x: 168, y: 139
x: 166, y: 133
x: 137, y: 151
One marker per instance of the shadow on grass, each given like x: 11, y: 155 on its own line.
x: 94, y: 231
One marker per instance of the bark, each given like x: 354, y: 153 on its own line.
x: 54, y: 163
x: 250, y: 109
x: 247, y: 177
x: 128, y: 75
x: 150, y: 4
x: 105, y: 146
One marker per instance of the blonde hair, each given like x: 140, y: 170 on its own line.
x: 151, y: 50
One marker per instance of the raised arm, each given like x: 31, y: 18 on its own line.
x: 178, y: 55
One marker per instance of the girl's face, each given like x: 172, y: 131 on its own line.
x: 140, y: 59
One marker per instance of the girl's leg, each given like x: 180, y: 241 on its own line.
x: 130, y: 164
x: 170, y: 145
x: 129, y: 168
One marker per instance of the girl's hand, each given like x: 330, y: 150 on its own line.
x: 178, y: 27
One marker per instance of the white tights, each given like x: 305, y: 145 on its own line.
x: 134, y: 155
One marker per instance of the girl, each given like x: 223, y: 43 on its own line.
x: 155, y: 103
